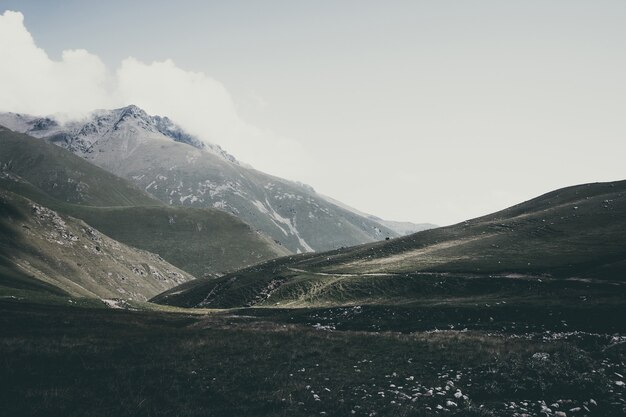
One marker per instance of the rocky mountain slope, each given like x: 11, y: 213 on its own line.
x: 43, y: 250
x: 200, y: 241
x: 577, y: 233
x: 179, y: 169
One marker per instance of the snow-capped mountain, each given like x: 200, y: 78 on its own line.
x: 180, y: 169
x: 81, y: 136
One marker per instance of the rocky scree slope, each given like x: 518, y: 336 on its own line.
x: 41, y: 249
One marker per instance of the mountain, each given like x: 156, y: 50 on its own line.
x: 44, y: 251
x: 574, y: 234
x: 404, y: 228
x: 199, y: 241
x: 179, y: 169
x: 400, y: 228
x: 63, y: 176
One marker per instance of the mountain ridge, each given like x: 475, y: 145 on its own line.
x: 128, y: 143
x: 79, y: 136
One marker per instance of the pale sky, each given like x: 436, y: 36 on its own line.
x: 424, y: 111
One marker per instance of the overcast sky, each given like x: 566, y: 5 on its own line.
x: 427, y: 111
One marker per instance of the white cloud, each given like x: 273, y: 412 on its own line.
x: 31, y: 82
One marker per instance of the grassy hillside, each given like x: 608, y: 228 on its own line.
x: 574, y: 233
x: 199, y: 241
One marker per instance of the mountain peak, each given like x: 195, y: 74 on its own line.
x: 132, y: 107
x: 154, y: 124
x: 132, y: 111
x: 81, y: 135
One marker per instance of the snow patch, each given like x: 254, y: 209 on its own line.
x: 192, y: 199
x: 112, y: 303
x: 277, y: 218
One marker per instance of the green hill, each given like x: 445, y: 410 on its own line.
x: 576, y: 233
x: 199, y: 241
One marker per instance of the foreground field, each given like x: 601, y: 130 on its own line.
x: 357, y: 360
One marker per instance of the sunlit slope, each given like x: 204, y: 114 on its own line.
x: 43, y: 251
x: 577, y: 232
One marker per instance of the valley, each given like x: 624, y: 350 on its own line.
x: 312, y: 209
x: 115, y: 300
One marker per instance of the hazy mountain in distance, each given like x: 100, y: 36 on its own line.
x: 179, y: 169
x: 401, y: 228
x: 404, y: 228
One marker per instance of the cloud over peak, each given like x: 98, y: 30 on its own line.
x: 31, y: 82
